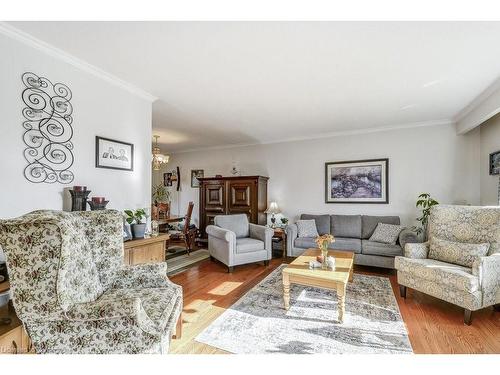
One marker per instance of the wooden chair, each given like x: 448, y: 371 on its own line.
x: 188, y: 235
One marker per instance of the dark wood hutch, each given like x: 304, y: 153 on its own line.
x: 232, y: 195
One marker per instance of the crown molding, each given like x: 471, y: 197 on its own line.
x: 50, y: 50
x: 477, y: 101
x: 326, y: 135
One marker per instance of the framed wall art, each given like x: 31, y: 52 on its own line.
x: 195, y: 174
x: 357, y: 181
x: 495, y: 163
x: 113, y: 154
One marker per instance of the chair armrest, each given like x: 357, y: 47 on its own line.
x: 416, y: 250
x: 488, y: 270
x: 260, y: 232
x: 221, y: 233
x: 291, y: 231
x: 407, y: 236
x: 105, y: 309
x: 151, y: 275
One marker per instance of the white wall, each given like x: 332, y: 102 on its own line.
x: 100, y: 108
x: 430, y: 159
x: 490, y: 142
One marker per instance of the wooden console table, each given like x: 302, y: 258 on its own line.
x: 13, y: 337
x: 146, y: 250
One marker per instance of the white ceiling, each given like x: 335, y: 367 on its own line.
x: 228, y: 83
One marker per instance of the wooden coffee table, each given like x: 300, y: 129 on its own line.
x: 298, y: 272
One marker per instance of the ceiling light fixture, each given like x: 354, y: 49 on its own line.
x: 158, y: 157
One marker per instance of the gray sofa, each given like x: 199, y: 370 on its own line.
x: 352, y: 233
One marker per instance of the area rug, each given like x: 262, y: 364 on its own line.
x: 181, y: 262
x: 258, y: 324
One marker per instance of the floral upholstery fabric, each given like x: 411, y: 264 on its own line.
x: 460, y: 253
x: 452, y: 275
x: 473, y: 287
x: 73, y: 293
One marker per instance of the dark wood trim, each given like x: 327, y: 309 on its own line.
x: 231, y: 178
x: 359, y: 161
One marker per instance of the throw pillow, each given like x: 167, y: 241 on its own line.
x: 306, y: 228
x: 386, y: 233
x: 460, y: 253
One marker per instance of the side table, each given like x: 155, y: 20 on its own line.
x: 280, y: 233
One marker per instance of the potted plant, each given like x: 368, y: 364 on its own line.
x: 135, y: 219
x: 425, y: 202
x: 160, y: 194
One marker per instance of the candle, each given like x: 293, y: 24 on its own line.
x: 79, y: 188
x: 98, y: 200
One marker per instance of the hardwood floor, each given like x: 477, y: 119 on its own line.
x: 434, y: 326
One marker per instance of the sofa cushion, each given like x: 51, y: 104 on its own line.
x: 305, y: 242
x: 441, y: 273
x: 322, y: 222
x: 346, y: 226
x: 248, y: 245
x: 377, y: 248
x: 386, y: 233
x: 460, y: 253
x: 346, y: 244
x: 306, y: 228
x: 235, y: 223
x: 369, y: 223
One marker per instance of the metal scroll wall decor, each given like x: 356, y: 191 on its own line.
x: 48, y: 130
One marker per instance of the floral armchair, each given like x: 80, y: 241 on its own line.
x: 73, y: 293
x: 446, y: 268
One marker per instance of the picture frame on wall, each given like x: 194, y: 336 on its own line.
x: 357, y: 181
x: 167, y: 179
x: 195, y: 174
x: 495, y: 163
x: 114, y: 154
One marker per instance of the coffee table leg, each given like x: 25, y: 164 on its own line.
x: 341, y: 296
x: 350, y: 275
x: 286, y: 291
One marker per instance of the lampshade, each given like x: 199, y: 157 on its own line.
x: 273, y: 208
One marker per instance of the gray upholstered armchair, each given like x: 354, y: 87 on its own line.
x: 234, y: 241
x: 460, y: 263
x: 73, y: 293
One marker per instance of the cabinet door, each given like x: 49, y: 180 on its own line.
x: 11, y: 342
x: 240, y: 195
x: 214, y: 195
x: 153, y: 253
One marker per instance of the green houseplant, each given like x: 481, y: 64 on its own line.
x: 425, y: 202
x: 135, y: 219
x: 160, y: 194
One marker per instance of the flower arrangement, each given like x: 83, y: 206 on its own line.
x: 323, y: 242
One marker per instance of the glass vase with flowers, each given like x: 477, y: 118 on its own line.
x: 323, y: 242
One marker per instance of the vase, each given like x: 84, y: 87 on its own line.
x: 324, y: 255
x: 138, y: 230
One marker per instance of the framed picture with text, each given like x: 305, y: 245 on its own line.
x: 113, y: 154
x: 357, y: 181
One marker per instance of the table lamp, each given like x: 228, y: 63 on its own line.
x: 273, y: 210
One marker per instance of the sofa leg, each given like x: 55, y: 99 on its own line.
x: 230, y: 269
x: 402, y: 291
x: 467, y: 317
x: 266, y: 262
x: 496, y: 307
x: 212, y: 258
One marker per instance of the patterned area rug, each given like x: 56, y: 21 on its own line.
x: 258, y: 323
x: 181, y: 262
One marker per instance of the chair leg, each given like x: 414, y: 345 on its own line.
x: 230, y: 269
x: 212, y: 258
x: 178, y: 328
x: 467, y: 317
x: 266, y: 262
x: 402, y: 291
x: 496, y: 307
